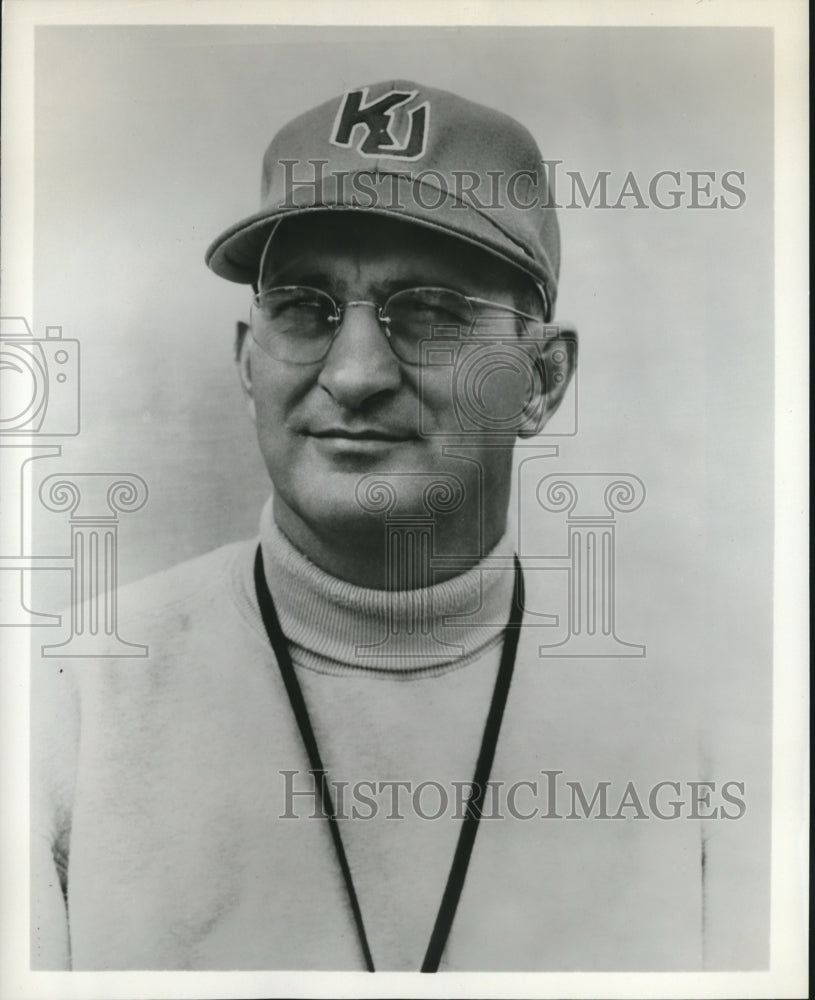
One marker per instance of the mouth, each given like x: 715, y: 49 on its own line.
x: 363, y: 434
x: 358, y: 444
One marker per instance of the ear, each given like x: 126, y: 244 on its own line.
x: 555, y: 364
x: 243, y: 362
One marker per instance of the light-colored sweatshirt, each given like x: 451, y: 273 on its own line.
x: 173, y: 807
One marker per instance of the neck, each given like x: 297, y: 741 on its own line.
x: 379, y: 556
x: 335, y: 626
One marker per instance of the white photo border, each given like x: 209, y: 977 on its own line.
x: 787, y: 974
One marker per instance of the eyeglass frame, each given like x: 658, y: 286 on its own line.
x: 336, y: 320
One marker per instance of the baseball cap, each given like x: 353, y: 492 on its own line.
x: 401, y: 149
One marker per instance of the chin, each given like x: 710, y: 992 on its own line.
x: 356, y: 503
x: 367, y: 508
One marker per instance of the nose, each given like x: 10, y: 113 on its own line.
x: 360, y: 363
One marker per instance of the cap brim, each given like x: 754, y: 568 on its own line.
x: 235, y: 254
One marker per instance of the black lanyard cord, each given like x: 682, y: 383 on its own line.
x: 483, y: 767
x: 281, y: 650
x: 466, y: 840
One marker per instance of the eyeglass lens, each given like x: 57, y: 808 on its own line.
x: 297, y: 324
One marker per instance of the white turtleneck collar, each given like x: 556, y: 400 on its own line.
x: 338, y: 627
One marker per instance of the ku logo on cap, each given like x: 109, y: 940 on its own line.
x: 376, y: 119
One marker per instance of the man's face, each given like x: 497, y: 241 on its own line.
x: 361, y: 410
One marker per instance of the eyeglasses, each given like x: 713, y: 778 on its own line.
x: 296, y: 324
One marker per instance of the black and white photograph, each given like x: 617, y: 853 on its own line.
x: 397, y: 501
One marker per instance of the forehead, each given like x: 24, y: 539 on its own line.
x: 346, y: 249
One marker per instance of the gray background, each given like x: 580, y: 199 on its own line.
x: 148, y: 144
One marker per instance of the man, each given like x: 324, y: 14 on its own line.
x: 380, y: 632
